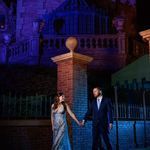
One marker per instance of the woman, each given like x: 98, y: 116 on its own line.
x: 59, y: 125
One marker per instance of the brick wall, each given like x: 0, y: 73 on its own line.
x: 72, y: 81
x: 64, y: 78
x: 80, y: 107
x: 65, y: 85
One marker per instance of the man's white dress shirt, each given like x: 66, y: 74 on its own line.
x: 99, y: 99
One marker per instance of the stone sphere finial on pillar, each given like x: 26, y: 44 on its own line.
x: 72, y: 43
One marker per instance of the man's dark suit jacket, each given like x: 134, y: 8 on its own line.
x: 102, y: 116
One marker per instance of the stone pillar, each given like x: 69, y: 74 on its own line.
x: 34, y: 50
x: 146, y: 37
x: 122, y: 43
x: 72, y: 81
x: 34, y: 44
x: 118, y: 23
x: 4, y: 49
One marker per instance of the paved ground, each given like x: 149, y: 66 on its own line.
x: 148, y: 148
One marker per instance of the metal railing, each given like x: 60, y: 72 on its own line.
x: 131, y: 111
x: 85, y: 41
x: 39, y: 106
x: 19, y: 50
x: 25, y: 107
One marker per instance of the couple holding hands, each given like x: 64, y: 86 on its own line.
x: 101, y: 111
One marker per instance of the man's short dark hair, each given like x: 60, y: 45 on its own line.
x: 97, y: 87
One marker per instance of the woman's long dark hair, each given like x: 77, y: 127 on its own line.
x: 56, y: 101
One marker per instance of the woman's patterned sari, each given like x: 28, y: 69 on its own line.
x: 60, y: 133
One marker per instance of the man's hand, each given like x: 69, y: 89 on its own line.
x: 82, y: 123
x: 110, y: 126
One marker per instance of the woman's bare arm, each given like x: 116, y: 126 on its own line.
x: 52, y: 116
x: 72, y: 115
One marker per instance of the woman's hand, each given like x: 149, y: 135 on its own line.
x: 79, y: 123
x: 72, y: 115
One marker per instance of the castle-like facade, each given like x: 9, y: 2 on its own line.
x: 43, y: 26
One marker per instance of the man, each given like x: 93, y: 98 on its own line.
x: 102, y: 117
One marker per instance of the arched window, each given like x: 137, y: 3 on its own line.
x: 103, y: 25
x: 59, y: 24
x: 97, y: 24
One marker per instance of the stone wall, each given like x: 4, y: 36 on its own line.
x: 30, y: 136
x: 37, y: 135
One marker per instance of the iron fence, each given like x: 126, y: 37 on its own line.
x: 38, y: 106
x: 25, y: 107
